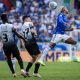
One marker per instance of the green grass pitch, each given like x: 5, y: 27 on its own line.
x: 52, y: 71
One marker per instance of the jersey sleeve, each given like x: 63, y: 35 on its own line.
x: 60, y: 18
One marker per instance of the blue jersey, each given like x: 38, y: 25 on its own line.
x: 60, y: 27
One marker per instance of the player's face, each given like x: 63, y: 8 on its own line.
x: 65, y: 11
x: 27, y: 20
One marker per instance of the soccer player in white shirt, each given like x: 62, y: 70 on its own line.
x: 6, y: 34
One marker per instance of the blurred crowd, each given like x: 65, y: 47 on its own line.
x: 43, y: 18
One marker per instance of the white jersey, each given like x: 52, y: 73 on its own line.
x: 6, y: 33
x: 26, y: 29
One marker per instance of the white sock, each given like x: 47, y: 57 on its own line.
x: 74, y: 51
x: 14, y: 63
x: 45, y: 51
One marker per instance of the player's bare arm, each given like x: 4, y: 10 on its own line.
x: 19, y: 35
x: 34, y: 31
x: 68, y: 28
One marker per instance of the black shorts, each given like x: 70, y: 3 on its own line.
x: 33, y: 49
x: 11, y: 49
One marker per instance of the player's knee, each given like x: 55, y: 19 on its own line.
x: 8, y: 58
x: 39, y: 55
x: 52, y: 45
x: 34, y: 58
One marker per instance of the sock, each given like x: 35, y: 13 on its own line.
x: 37, y: 65
x: 10, y: 65
x: 29, y: 66
x: 74, y: 51
x: 14, y: 62
x: 45, y: 51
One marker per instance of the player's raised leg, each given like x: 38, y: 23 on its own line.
x: 45, y: 52
x: 70, y: 41
x: 55, y: 39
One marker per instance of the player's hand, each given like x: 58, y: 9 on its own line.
x: 26, y: 42
x: 67, y: 24
x: 35, y: 34
x: 21, y: 46
x: 5, y: 57
x: 71, y: 29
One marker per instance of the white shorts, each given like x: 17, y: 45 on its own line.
x: 59, y: 37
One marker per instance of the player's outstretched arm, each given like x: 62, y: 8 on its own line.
x: 18, y: 35
x: 69, y: 29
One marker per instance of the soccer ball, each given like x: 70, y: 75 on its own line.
x: 52, y: 5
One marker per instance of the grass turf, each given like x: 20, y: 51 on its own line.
x: 52, y: 71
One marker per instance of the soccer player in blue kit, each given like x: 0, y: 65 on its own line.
x: 59, y: 33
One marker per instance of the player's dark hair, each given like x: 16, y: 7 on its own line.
x: 4, y: 18
x: 24, y: 17
x: 63, y: 8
